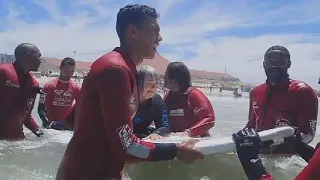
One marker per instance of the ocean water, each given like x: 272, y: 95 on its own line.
x: 38, y: 158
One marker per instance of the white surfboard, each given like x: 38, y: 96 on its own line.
x: 214, y: 145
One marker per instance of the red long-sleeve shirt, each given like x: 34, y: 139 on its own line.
x: 190, y: 111
x: 16, y: 102
x: 290, y: 103
x: 58, y: 97
x: 103, y: 138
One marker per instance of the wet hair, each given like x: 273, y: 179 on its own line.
x: 68, y: 60
x: 180, y: 72
x: 279, y: 49
x: 146, y: 71
x: 133, y: 15
x: 23, y: 49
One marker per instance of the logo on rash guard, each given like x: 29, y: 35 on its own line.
x: 255, y: 105
x: 58, y: 92
x: 30, y: 102
x: 177, y: 112
x: 196, y: 110
x: 164, y: 118
x: 124, y: 133
x: 67, y: 93
x: 282, y: 122
x: 137, y: 120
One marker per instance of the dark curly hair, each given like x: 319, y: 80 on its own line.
x: 133, y: 15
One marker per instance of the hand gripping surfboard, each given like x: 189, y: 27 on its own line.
x: 213, y: 145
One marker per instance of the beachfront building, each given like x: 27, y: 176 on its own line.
x: 5, y: 58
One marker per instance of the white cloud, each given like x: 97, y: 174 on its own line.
x: 193, y: 31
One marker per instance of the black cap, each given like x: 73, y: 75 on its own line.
x: 277, y: 49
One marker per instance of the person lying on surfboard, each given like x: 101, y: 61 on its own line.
x: 152, y: 108
x: 190, y: 111
x: 281, y: 101
x: 248, y: 145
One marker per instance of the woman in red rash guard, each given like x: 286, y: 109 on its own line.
x: 190, y: 111
x: 248, y: 145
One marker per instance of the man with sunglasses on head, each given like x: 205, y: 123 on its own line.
x: 282, y: 101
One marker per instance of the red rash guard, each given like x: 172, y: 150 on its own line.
x: 291, y: 103
x: 191, y: 111
x: 16, y: 102
x: 103, y: 138
x: 58, y: 97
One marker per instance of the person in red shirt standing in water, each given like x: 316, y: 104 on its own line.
x: 248, y: 145
x: 282, y: 101
x: 57, y: 97
x: 190, y: 111
x: 103, y: 141
x: 18, y: 91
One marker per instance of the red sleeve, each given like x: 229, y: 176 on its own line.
x: 203, y: 111
x: 252, y: 116
x: 307, y: 113
x: 116, y: 113
x: 31, y: 124
x: 312, y: 170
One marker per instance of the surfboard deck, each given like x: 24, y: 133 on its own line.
x: 212, y: 145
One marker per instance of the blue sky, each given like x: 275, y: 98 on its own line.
x: 204, y: 34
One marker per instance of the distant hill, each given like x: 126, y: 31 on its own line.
x: 158, y: 62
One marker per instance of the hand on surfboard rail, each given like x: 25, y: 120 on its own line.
x: 248, y: 144
x: 214, y: 145
x: 187, y: 152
